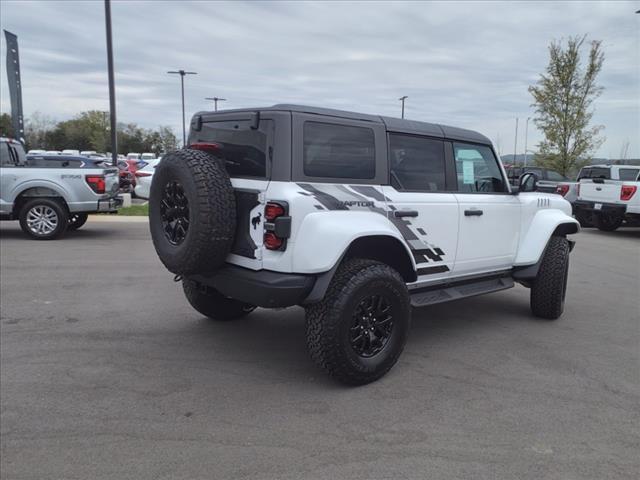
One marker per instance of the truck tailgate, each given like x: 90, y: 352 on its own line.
x: 600, y: 192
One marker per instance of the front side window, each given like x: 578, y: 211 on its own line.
x: 416, y: 163
x: 555, y: 176
x: 338, y: 151
x: 628, y: 174
x: 477, y: 169
x: 244, y: 150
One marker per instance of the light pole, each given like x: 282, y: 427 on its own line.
x: 215, y: 102
x: 515, y: 144
x: 526, y: 132
x: 112, y: 85
x: 182, y: 73
x: 402, y: 99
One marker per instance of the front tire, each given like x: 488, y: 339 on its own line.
x: 358, y: 330
x: 211, y: 303
x: 44, y: 218
x: 549, y: 289
x: 77, y: 220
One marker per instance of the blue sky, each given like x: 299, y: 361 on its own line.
x: 466, y: 64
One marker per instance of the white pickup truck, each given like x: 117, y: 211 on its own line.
x: 610, y: 197
x: 51, y: 200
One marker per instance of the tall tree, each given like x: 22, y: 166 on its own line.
x: 6, y: 127
x: 563, y: 97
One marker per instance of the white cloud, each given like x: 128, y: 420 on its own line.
x: 466, y: 64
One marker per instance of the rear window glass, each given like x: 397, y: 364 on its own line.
x: 245, y: 151
x: 555, y: 176
x: 595, y: 172
x: 629, y: 173
x: 338, y: 151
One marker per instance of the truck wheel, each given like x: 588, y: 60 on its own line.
x: 76, y: 220
x: 43, y: 218
x: 211, y: 303
x: 192, y: 212
x: 549, y: 288
x: 585, y: 219
x: 608, y: 222
x: 358, y: 330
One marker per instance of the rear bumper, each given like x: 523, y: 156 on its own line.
x: 263, y: 288
x: 110, y: 204
x: 588, y: 206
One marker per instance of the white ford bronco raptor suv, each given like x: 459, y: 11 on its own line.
x: 357, y: 218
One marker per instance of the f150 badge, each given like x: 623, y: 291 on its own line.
x: 71, y: 176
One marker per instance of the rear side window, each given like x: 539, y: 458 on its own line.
x: 477, y: 169
x: 628, y: 174
x: 6, y: 160
x: 338, y: 151
x: 245, y: 151
x: 416, y: 163
x: 595, y: 172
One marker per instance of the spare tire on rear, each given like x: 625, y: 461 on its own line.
x: 192, y: 212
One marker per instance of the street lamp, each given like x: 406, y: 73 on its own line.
x: 402, y: 99
x: 182, y: 73
x: 526, y: 132
x: 112, y: 84
x: 215, y: 102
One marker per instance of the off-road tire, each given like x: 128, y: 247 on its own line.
x: 211, y: 212
x: 211, y: 303
x: 549, y: 288
x: 76, y: 220
x: 62, y: 216
x: 608, y: 222
x: 330, y: 320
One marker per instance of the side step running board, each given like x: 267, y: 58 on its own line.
x: 423, y: 297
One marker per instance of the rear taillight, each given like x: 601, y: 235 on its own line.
x: 277, y: 226
x: 206, y: 147
x: 96, y: 182
x: 562, y: 189
x: 627, y: 191
x: 142, y: 174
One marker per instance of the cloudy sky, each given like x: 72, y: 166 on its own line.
x: 466, y: 64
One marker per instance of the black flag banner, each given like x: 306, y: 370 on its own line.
x: 15, y: 87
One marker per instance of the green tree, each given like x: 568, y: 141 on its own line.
x: 6, y: 128
x: 563, y: 97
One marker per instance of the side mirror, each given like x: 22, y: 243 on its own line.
x: 528, y: 182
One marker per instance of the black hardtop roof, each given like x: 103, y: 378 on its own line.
x: 392, y: 124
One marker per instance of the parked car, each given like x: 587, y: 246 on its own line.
x: 610, y: 202
x: 548, y: 180
x: 148, y: 156
x: 35, y: 152
x: 127, y: 179
x: 355, y: 217
x: 571, y: 190
x: 86, y: 153
x: 52, y: 152
x: 75, y: 153
x: 133, y: 156
x: 144, y: 177
x: 63, y: 161
x: 49, y: 201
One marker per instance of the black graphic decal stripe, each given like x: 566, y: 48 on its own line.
x: 432, y: 270
x: 328, y: 201
x: 371, y: 192
x: 421, y: 231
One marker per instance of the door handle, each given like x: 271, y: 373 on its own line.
x: 405, y: 213
x: 472, y: 213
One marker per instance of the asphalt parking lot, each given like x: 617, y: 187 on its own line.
x: 106, y: 372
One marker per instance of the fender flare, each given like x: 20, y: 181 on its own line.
x: 20, y: 188
x: 329, y: 237
x: 544, y: 225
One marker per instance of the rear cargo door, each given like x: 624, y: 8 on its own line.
x: 244, y: 142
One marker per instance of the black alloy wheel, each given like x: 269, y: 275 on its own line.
x: 372, y: 326
x: 174, y: 211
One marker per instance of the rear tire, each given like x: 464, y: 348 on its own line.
x: 549, y: 289
x: 585, y: 219
x: 44, y: 218
x: 211, y: 303
x: 358, y: 330
x: 608, y: 222
x: 77, y: 220
x: 192, y: 212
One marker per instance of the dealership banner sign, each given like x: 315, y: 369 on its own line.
x: 15, y: 85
